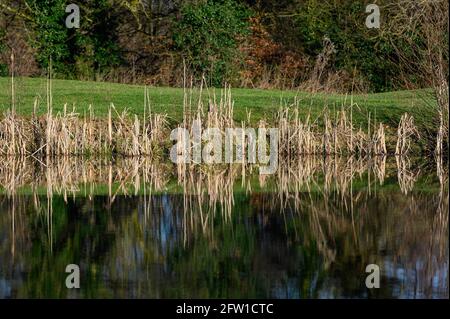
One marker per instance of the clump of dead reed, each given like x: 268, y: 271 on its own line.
x: 406, y: 176
x: 213, y: 112
x: 405, y: 131
x: 67, y: 133
x: 15, y: 134
x: 442, y: 134
x: 316, y: 78
x: 337, y: 135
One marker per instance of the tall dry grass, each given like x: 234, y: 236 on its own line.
x: 336, y: 135
x: 69, y: 133
x: 405, y: 132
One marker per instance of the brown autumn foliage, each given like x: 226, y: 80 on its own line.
x: 266, y: 63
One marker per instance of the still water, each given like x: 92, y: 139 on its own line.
x: 145, y: 231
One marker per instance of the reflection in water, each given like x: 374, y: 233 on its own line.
x: 144, y: 230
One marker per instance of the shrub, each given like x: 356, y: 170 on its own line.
x: 50, y: 32
x: 93, y: 46
x: 357, y: 47
x: 206, y: 35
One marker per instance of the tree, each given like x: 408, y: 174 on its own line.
x: 206, y: 36
x: 51, y: 35
x: 418, y: 31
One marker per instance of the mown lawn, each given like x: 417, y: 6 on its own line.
x: 388, y: 107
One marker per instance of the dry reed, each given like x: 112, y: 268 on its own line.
x: 67, y: 133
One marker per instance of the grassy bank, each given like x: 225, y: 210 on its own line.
x: 387, y: 107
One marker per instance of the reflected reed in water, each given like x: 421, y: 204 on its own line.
x: 139, y: 229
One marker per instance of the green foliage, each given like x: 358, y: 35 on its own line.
x: 207, y: 36
x: 75, y: 52
x: 51, y: 35
x: 357, y: 46
x: 221, y: 40
x: 96, y: 46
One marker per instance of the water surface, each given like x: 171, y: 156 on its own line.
x: 151, y: 231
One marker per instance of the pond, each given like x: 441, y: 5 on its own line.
x: 142, y: 230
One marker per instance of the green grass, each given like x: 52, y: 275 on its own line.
x: 388, y: 107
